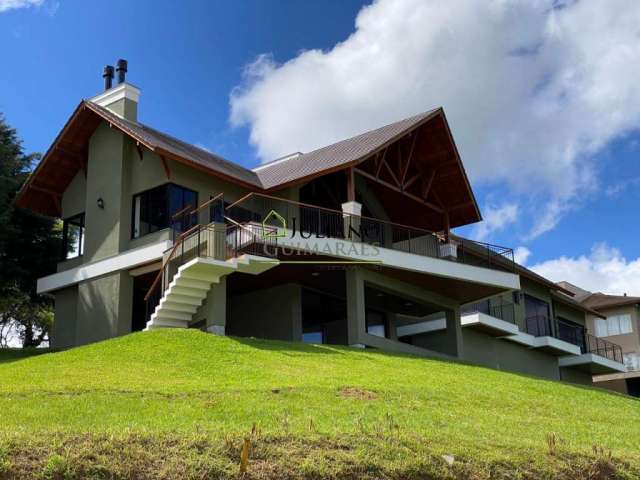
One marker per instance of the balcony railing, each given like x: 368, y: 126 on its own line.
x: 604, y: 348
x: 311, y: 220
x: 505, y: 311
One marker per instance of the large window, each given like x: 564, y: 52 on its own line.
x: 153, y: 209
x: 537, y: 316
x: 613, y: 325
x: 73, y: 237
x: 571, y: 332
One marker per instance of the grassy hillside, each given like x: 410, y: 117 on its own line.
x: 178, y: 403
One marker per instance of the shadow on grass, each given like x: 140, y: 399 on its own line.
x: 8, y: 355
x: 289, y: 348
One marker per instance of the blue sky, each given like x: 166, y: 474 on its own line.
x: 544, y: 111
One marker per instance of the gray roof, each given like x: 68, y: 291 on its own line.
x: 279, y: 172
x: 345, y: 152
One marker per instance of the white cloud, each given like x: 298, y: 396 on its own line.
x: 605, y: 269
x: 619, y: 188
x: 495, y: 219
x: 16, y: 4
x: 532, y: 91
x: 521, y: 255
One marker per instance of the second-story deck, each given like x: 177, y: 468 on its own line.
x: 291, y: 219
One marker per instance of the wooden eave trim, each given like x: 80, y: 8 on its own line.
x: 459, y: 159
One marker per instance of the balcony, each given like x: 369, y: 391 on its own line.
x: 540, y: 334
x: 495, y: 320
x: 597, y: 356
x: 305, y: 221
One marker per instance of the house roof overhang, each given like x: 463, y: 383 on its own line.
x: 414, y: 163
x: 68, y: 154
x: 426, y: 162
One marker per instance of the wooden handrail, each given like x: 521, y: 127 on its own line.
x: 208, y: 202
x: 180, y: 212
x: 169, y: 257
x: 317, y: 207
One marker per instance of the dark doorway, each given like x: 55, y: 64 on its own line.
x: 140, y: 316
x: 633, y: 387
x: 324, y: 318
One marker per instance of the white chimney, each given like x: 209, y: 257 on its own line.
x: 121, y: 99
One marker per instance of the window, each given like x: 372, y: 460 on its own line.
x: 537, y: 317
x: 613, y: 325
x: 313, y: 337
x: 216, y: 211
x: 153, y: 209
x: 632, y: 361
x: 376, y: 323
x: 73, y: 237
x: 571, y: 332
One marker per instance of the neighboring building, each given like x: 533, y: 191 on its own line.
x: 619, y: 322
x: 349, y: 244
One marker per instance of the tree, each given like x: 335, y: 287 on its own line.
x: 29, y: 247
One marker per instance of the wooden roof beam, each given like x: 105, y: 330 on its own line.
x: 399, y: 190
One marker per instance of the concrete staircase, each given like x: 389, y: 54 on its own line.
x: 191, y: 284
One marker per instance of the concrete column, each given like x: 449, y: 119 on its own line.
x: 351, y: 213
x: 453, y: 341
x: 216, y: 308
x: 356, y: 321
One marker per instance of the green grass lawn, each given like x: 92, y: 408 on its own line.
x: 178, y: 403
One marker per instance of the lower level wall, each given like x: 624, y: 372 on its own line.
x: 492, y: 352
x: 619, y: 385
x: 573, y: 375
x: 93, y: 310
x: 104, y: 307
x: 63, y: 332
x: 273, y: 313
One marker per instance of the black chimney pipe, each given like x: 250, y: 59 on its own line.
x: 121, y: 69
x: 107, y: 74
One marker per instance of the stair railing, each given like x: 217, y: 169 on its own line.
x: 212, y: 240
x: 154, y: 294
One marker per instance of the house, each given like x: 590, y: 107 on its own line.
x: 349, y: 244
x: 618, y: 321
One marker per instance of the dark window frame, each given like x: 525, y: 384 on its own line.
x: 65, y: 236
x: 167, y: 206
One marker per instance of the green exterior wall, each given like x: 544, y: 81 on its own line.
x: 569, y: 312
x: 63, y: 333
x: 573, y: 375
x: 104, y: 307
x: 105, y: 235
x: 492, y: 352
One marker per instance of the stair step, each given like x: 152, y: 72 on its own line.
x: 166, y: 322
x: 191, y: 282
x: 200, y: 275
x: 169, y: 304
x: 172, y: 314
x: 185, y: 299
x: 186, y: 291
